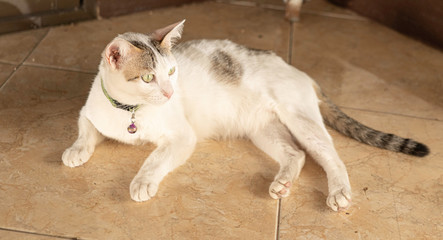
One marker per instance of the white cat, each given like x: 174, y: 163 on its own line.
x: 147, y: 90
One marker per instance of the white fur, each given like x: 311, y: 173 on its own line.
x: 272, y: 105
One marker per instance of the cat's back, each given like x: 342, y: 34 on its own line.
x: 225, y: 63
x: 221, y: 86
x: 207, y: 49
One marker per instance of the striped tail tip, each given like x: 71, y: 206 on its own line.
x: 414, y: 148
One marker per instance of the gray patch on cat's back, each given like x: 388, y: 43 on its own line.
x: 226, y: 68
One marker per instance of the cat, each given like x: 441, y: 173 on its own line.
x: 149, y: 89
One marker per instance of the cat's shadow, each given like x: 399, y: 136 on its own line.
x: 260, y: 184
x: 127, y: 159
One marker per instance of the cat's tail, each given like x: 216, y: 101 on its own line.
x: 344, y: 124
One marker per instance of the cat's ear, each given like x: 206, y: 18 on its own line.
x: 168, y: 35
x: 117, y: 52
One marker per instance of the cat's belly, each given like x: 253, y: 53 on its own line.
x: 228, y: 118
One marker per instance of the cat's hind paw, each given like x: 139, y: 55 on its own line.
x: 142, y: 191
x: 340, y: 199
x: 76, y: 156
x: 279, y: 189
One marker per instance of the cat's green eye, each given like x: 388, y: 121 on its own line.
x: 171, y: 71
x: 147, y: 77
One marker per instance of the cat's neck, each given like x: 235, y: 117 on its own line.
x: 117, y: 104
x: 109, y: 88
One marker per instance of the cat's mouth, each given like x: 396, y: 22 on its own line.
x: 158, y: 100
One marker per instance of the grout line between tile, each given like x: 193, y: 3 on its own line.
x: 277, y: 225
x: 37, y: 234
x: 21, y: 63
x: 37, y: 65
x: 390, y: 113
x: 393, y: 201
x: 303, y: 11
x: 335, y: 15
x: 8, y: 62
x: 289, y: 61
x: 238, y: 2
x: 291, y: 39
x: 253, y: 4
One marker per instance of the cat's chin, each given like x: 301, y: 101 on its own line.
x: 157, y: 101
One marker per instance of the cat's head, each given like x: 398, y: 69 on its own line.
x: 140, y: 68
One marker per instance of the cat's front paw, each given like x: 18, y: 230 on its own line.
x: 339, y: 200
x: 279, y: 189
x: 142, y: 190
x: 76, y: 156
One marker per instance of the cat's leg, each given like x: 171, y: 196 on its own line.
x: 313, y: 136
x: 82, y: 149
x: 276, y: 141
x: 165, y: 158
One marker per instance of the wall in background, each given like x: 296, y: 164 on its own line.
x: 17, y: 15
x: 422, y: 19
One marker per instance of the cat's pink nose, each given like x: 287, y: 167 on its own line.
x: 168, y: 94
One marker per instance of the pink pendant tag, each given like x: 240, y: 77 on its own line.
x: 132, y: 128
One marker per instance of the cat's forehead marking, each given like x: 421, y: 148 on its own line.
x: 139, y: 44
x: 159, y: 48
x: 147, y: 58
x: 141, y: 61
x: 226, y: 68
x: 150, y: 44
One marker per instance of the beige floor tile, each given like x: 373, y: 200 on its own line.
x: 395, y: 196
x: 214, y: 194
x: 5, y: 72
x: 79, y: 46
x: 14, y: 47
x: 418, y: 188
x: 31, y: 86
x: 367, y: 66
x: 256, y: 3
x: 221, y: 193
x: 11, y: 235
x: 215, y: 197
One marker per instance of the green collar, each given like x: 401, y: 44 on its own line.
x: 117, y: 104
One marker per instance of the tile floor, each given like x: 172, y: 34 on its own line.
x: 382, y: 78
